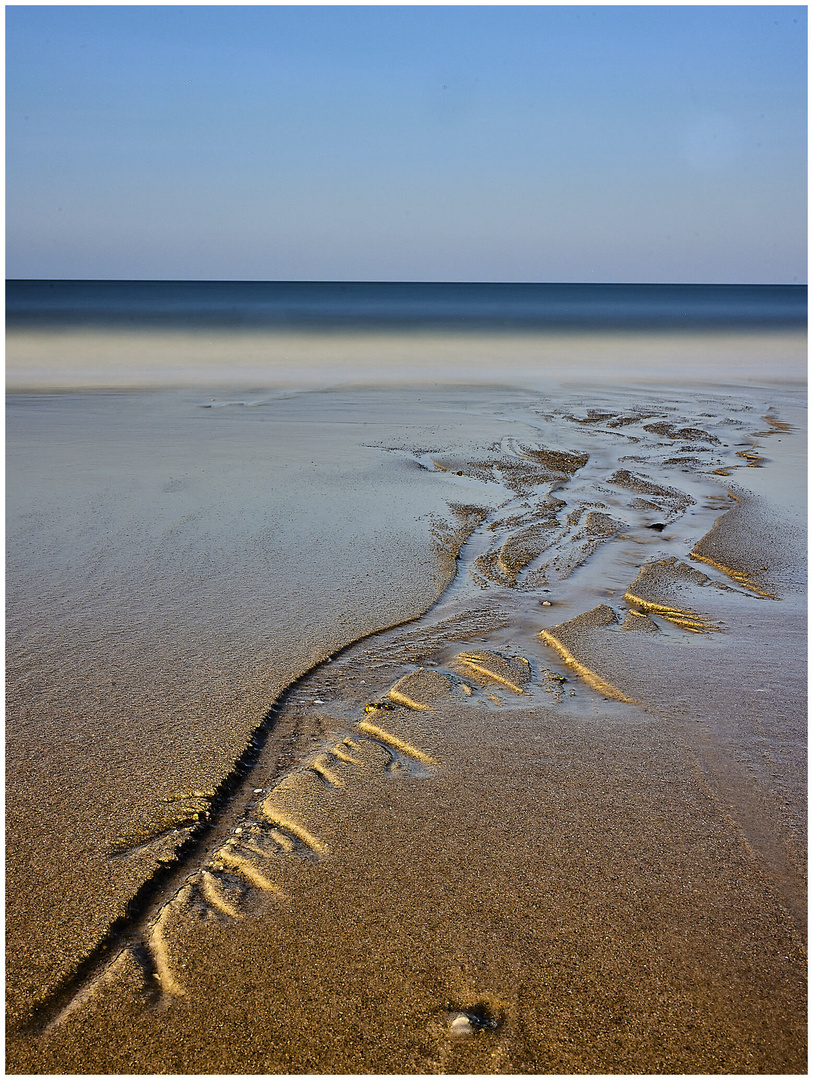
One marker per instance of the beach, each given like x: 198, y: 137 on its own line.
x: 406, y: 540
x: 386, y: 729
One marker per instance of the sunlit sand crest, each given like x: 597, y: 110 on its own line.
x: 590, y: 677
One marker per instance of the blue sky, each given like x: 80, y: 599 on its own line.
x: 465, y: 143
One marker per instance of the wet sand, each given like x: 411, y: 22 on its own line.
x: 81, y: 358
x: 552, y: 820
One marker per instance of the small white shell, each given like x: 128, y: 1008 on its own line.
x: 461, y: 1025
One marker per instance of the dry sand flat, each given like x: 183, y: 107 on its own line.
x: 517, y: 834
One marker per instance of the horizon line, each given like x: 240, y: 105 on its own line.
x: 409, y: 281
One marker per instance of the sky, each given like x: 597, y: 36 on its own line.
x: 428, y: 143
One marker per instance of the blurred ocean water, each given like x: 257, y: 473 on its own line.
x: 405, y: 305
x: 230, y: 334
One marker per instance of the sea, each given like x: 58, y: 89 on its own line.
x: 378, y: 305
x: 71, y: 333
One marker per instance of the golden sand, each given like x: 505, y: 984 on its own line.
x: 278, y: 803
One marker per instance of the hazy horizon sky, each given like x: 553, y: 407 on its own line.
x: 534, y: 143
